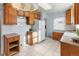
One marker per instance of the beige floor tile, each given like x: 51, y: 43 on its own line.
x: 48, y: 47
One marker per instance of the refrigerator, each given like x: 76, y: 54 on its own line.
x: 22, y: 29
x: 40, y: 28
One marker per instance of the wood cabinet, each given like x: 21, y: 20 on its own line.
x: 76, y: 13
x: 69, y: 49
x: 26, y: 14
x: 20, y: 13
x: 32, y: 17
x: 68, y: 17
x: 65, y: 49
x: 38, y: 15
x: 10, y: 15
x: 73, y: 13
x: 31, y: 38
x: 56, y: 35
x: 11, y: 44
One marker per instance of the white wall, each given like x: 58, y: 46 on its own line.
x: 49, y: 24
x: 1, y: 18
x: 7, y: 29
x: 0, y: 29
x: 57, y: 22
x: 50, y: 18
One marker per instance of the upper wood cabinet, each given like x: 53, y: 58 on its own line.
x: 31, y: 17
x: 10, y: 15
x: 20, y: 13
x: 68, y: 17
x: 26, y: 14
x: 73, y: 14
x: 76, y: 13
x: 38, y: 15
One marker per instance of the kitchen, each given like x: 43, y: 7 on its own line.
x: 29, y: 28
x: 21, y: 26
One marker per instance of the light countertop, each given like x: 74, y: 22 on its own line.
x: 67, y: 38
x: 62, y: 31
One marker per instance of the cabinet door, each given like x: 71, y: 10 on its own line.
x: 76, y: 13
x: 16, y: 38
x: 65, y: 49
x: 20, y: 13
x: 57, y: 35
x: 31, y: 18
x: 26, y: 14
x: 74, y: 50
x: 68, y: 17
x: 10, y: 15
x: 6, y: 18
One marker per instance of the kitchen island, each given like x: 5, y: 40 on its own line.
x: 68, y: 47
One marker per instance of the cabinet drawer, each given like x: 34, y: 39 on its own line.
x: 10, y: 39
x: 16, y: 38
x: 35, y: 40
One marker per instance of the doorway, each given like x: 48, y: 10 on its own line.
x: 45, y: 27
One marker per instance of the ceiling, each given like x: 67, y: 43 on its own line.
x: 58, y: 7
x: 48, y: 7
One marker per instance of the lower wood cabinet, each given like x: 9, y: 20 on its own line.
x: 65, y: 49
x: 56, y: 35
x: 31, y: 38
x: 69, y: 49
x: 11, y: 44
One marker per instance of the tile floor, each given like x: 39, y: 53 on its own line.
x: 48, y: 47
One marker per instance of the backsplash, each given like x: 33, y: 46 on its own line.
x: 71, y: 27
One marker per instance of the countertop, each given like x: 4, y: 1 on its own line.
x: 62, y: 31
x: 34, y: 33
x: 11, y: 35
x: 67, y: 38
